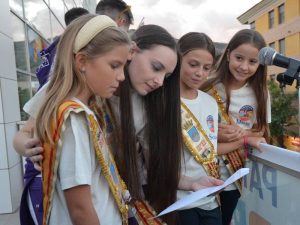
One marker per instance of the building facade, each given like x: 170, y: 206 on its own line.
x: 279, y: 22
x: 26, y: 26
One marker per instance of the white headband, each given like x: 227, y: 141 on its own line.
x: 93, y: 27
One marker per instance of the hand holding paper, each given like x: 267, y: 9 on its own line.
x: 195, y: 196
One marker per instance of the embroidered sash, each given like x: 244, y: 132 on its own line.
x: 198, y: 143
x: 104, y: 157
x: 232, y: 160
x: 142, y: 213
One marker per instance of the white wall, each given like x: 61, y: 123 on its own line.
x: 11, y: 181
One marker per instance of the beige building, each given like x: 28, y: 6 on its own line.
x: 279, y: 22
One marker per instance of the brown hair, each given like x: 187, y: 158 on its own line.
x: 258, y: 81
x: 195, y: 40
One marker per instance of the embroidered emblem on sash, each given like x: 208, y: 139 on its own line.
x: 198, y: 143
x: 194, y: 134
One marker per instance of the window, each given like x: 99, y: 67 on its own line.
x: 35, y: 45
x: 78, y: 3
x: 281, y: 14
x: 57, y: 28
x: 282, y: 46
x: 252, y: 25
x: 34, y: 85
x: 18, y: 35
x: 58, y: 7
x: 271, y: 19
x: 16, y: 6
x: 272, y: 45
x: 37, y: 13
x: 70, y: 4
x: 24, y: 92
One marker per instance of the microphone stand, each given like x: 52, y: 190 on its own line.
x: 291, y: 74
x: 281, y: 81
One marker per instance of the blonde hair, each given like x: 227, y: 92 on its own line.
x: 66, y: 81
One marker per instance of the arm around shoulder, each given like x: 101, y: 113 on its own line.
x: 24, y: 142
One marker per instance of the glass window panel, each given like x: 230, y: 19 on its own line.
x: 282, y: 46
x: 57, y: 7
x: 35, y: 45
x: 37, y: 13
x: 70, y: 4
x: 271, y: 19
x: 281, y: 13
x: 57, y: 28
x: 18, y: 35
x: 272, y: 45
x: 252, y: 25
x: 34, y: 85
x: 24, y: 89
x: 78, y: 3
x: 16, y: 6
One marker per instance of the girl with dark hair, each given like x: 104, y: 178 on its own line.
x: 199, y: 113
x: 240, y: 89
x: 150, y: 115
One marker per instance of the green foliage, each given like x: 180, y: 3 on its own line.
x: 283, y: 112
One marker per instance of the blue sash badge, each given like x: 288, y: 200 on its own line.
x: 194, y: 134
x: 210, y: 123
x: 113, y: 173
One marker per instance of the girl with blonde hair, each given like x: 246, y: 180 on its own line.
x: 81, y: 183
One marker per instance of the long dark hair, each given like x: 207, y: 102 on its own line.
x: 258, y: 81
x: 162, y: 131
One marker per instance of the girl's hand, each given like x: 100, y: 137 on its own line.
x: 205, y: 181
x: 34, y: 151
x: 229, y: 133
x: 255, y: 141
x: 254, y: 133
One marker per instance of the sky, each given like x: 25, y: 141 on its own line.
x: 216, y: 18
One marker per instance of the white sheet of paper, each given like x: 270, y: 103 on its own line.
x: 195, y: 196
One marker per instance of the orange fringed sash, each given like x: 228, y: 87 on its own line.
x: 50, y: 155
x: 51, y: 159
x: 232, y: 160
x: 144, y: 214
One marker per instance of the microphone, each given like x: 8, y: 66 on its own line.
x: 268, y: 56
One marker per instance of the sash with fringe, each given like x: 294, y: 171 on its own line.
x: 232, y: 160
x: 142, y: 213
x: 198, y: 143
x: 104, y: 158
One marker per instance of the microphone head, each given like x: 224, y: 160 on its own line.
x: 266, y: 56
